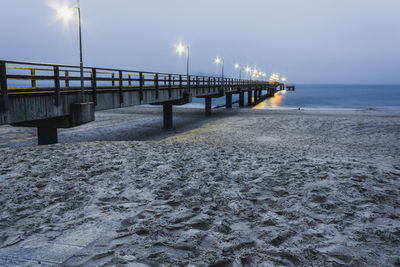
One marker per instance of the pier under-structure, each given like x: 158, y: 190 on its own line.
x: 48, y: 96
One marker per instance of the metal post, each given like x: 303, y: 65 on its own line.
x: 80, y: 50
x: 187, y: 60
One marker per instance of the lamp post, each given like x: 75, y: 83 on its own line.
x: 248, y: 71
x: 180, y: 48
x: 237, y: 66
x: 65, y: 13
x: 219, y: 60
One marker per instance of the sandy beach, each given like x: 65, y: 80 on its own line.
x: 243, y: 188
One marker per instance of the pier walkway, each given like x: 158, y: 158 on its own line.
x: 49, y: 96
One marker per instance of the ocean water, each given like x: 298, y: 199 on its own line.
x: 326, y: 97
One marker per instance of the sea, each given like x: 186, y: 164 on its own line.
x: 386, y: 97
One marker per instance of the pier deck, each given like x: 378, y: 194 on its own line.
x: 49, y: 96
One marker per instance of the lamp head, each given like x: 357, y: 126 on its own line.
x: 180, y: 48
x: 65, y: 12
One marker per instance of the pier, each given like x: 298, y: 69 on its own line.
x: 49, y: 96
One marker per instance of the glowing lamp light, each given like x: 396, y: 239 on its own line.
x: 236, y: 66
x: 247, y: 69
x: 65, y: 13
x: 274, y: 77
x: 218, y: 60
x: 180, y: 49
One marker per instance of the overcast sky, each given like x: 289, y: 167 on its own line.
x: 308, y: 41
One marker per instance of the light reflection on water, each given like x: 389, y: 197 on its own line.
x: 272, y: 102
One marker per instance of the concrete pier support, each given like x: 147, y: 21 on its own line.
x: 228, y: 100
x: 47, y: 135
x: 241, y: 99
x: 208, y: 106
x: 167, y: 112
x: 255, y: 95
x: 249, y: 98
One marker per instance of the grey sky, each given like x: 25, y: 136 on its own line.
x: 308, y: 41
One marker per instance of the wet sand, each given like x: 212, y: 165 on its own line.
x: 245, y: 188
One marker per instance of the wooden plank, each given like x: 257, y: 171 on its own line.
x: 197, y: 84
x: 180, y: 85
x: 121, y: 89
x: 156, y: 84
x: 33, y: 81
x: 94, y: 86
x: 66, y: 79
x: 4, y: 105
x: 169, y: 86
x: 57, y: 99
x: 141, y: 86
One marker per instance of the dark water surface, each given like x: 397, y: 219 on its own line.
x: 328, y: 96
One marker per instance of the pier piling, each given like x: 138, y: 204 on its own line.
x: 208, y: 106
x: 241, y: 99
x: 167, y: 112
x: 228, y: 100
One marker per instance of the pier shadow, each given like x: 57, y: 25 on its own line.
x: 125, y: 124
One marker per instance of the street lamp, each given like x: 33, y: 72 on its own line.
x: 265, y: 76
x: 180, y: 49
x: 248, y: 71
x: 237, y: 66
x: 219, y: 60
x: 66, y: 13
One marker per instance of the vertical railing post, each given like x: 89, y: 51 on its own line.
x: 66, y: 79
x: 169, y: 86
x: 57, y: 86
x: 209, y: 84
x: 121, y: 87
x: 188, y: 83
x: 204, y: 84
x: 4, y: 105
x: 33, y: 81
x: 180, y: 84
x: 214, y: 84
x: 112, y: 79
x: 94, y: 86
x: 129, y: 80
x: 156, y: 84
x: 141, y: 86
x: 197, y: 84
